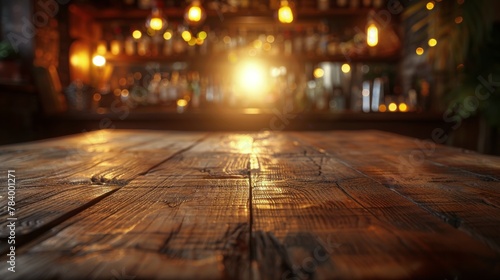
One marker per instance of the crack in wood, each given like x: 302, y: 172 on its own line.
x: 22, y: 240
x: 174, y: 155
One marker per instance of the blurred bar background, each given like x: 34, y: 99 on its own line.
x: 426, y: 69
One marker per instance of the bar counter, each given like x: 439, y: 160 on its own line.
x: 141, y: 204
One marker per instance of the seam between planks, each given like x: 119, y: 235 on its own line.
x: 36, y: 233
x: 40, y: 231
x: 251, y: 253
x: 172, y: 156
x: 455, y: 223
x: 463, y: 170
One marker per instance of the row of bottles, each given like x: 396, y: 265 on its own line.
x: 247, y: 4
x: 331, y: 87
x: 331, y: 4
x: 321, y: 39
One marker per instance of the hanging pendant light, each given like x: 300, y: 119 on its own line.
x: 195, y: 14
x: 285, y: 13
x: 156, y: 21
x: 371, y: 32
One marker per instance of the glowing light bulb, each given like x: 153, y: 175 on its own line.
x: 372, y: 35
x: 167, y: 35
x: 137, y: 34
x: 156, y: 22
x: 99, y: 60
x: 194, y: 13
x: 432, y: 42
x: 186, y: 35
x: 318, y: 73
x: 202, y: 35
x: 403, y: 107
x: 419, y: 51
x: 430, y: 6
x: 251, y: 78
x: 345, y: 68
x: 285, y: 14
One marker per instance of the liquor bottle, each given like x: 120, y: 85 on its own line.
x: 298, y: 42
x: 143, y: 46
x: 343, y: 3
x: 311, y: 40
x: 168, y: 43
x: 337, y: 100
x: 130, y: 46
x: 163, y: 89
x: 173, y: 91
x: 323, y: 5
x: 354, y: 3
x: 288, y: 47
x: 154, y: 89
x: 195, y: 89
x: 145, y: 4
x: 378, y: 3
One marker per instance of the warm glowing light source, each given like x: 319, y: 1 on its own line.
x: 101, y: 48
x: 99, y: 60
x: 382, y: 108
x: 318, y: 73
x: 74, y: 60
x: 186, y: 35
x: 137, y: 34
x: 393, y: 107
x: 430, y: 6
x: 167, y: 35
x: 194, y: 13
x: 156, y: 21
x: 459, y: 20
x: 251, y: 77
x: 403, y: 107
x: 192, y: 42
x: 285, y: 14
x: 257, y: 44
x: 432, y: 42
x: 202, y: 35
x: 346, y: 68
x: 181, y: 105
x: 372, y: 35
x: 419, y: 51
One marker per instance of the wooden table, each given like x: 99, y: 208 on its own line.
x: 130, y: 204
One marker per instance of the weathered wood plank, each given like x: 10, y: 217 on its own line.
x: 96, y: 157
x: 164, y: 224
x: 322, y: 206
x: 56, y: 179
x: 463, y: 199
x: 322, y: 219
x: 38, y: 211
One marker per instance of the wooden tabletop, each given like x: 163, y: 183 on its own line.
x: 131, y: 204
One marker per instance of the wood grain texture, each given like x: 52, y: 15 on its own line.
x: 467, y: 200
x: 324, y: 219
x: 57, y: 179
x: 297, y: 205
x: 186, y: 218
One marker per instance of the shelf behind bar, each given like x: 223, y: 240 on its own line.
x: 287, y: 59
x: 176, y: 13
